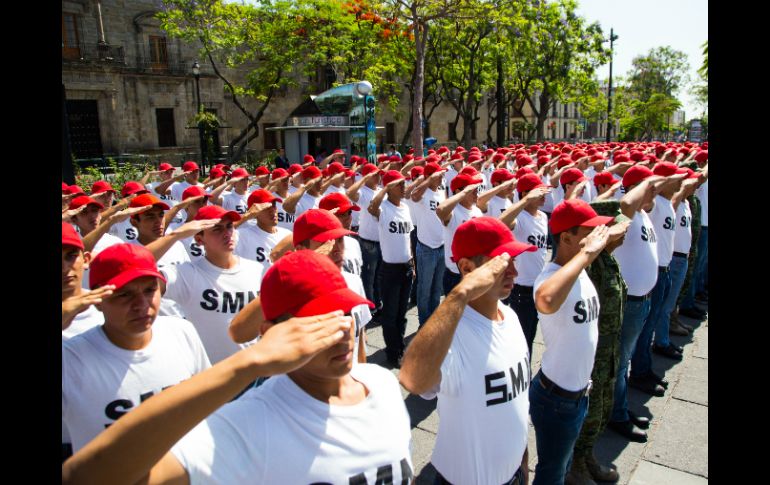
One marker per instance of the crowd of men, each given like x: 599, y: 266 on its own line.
x: 244, y: 298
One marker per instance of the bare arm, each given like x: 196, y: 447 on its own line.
x: 419, y: 191
x: 610, y: 193
x: 374, y: 205
x: 334, y: 178
x: 632, y: 201
x: 160, y: 246
x: 163, y: 187
x: 508, y: 217
x: 172, y: 212
x: 90, y: 240
x: 352, y: 191
x: 444, y: 209
x: 487, y: 195
x: 290, y: 202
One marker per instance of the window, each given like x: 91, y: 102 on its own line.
x: 271, y: 138
x: 70, y: 39
x: 564, y: 135
x: 390, y: 133
x: 166, y: 132
x: 565, y: 112
x: 452, y: 131
x: 158, y: 52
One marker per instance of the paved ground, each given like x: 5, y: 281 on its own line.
x: 676, y: 451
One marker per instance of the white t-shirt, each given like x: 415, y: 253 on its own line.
x: 486, y: 174
x: 194, y: 250
x: 683, y: 232
x: 430, y: 231
x: 532, y: 230
x: 233, y: 201
x: 211, y: 296
x: 256, y: 244
x: 360, y: 313
x: 549, y: 200
x: 101, y: 382
x: 334, y: 190
x: 571, y: 333
x: 124, y: 230
x: 279, y: 434
x: 497, y: 205
x: 285, y: 220
x: 703, y: 195
x: 178, y: 188
x: 414, y: 211
x: 368, y: 226
x: 83, y: 321
x: 663, y: 219
x: 483, y: 400
x: 165, y: 198
x: 450, y: 174
x: 352, y: 259
x: 638, y: 256
x: 395, y: 224
x: 305, y: 203
x: 459, y: 215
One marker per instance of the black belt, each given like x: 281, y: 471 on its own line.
x: 662, y: 269
x: 368, y: 241
x: 550, y: 386
x: 638, y: 298
x: 515, y: 480
x: 408, y: 263
x: 524, y: 289
x: 681, y: 255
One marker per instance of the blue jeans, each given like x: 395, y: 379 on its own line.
x: 697, y: 284
x: 430, y: 268
x: 450, y: 280
x: 641, y: 361
x: 634, y: 315
x: 370, y: 272
x: 522, y: 301
x: 557, y: 423
x: 396, y: 287
x: 677, y: 271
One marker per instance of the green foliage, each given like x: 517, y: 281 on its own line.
x: 646, y: 118
x: 117, y: 173
x: 662, y: 70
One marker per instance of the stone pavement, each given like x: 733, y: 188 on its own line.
x: 677, y: 448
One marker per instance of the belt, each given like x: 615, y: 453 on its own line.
x: 681, y: 255
x: 638, y: 298
x: 368, y: 241
x: 551, y: 387
x: 523, y: 288
x: 662, y: 269
x: 516, y: 479
x: 406, y: 263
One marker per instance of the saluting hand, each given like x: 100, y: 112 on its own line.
x: 481, y: 279
x: 74, y: 305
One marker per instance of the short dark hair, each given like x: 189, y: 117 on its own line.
x: 556, y: 237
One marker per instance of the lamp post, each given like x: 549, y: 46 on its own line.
x: 196, y: 70
x: 613, y: 37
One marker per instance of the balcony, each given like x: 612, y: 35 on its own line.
x: 162, y: 63
x: 105, y: 53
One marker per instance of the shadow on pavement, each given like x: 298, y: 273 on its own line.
x: 426, y: 476
x: 419, y: 408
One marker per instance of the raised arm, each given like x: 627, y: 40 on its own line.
x: 290, y: 202
x: 163, y: 187
x: 90, y: 240
x: 487, y: 195
x: 508, y: 217
x: 444, y: 209
x: 419, y: 191
x: 159, y: 246
x: 374, y: 205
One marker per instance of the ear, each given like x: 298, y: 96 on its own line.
x: 198, y: 238
x: 86, y: 259
x: 265, y: 326
x: 134, y: 220
x: 465, y: 266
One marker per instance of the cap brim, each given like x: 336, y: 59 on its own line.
x: 341, y: 299
x: 345, y: 208
x: 331, y: 234
x: 232, y: 215
x: 514, y: 248
x: 128, y: 276
x: 162, y: 205
x: 597, y: 221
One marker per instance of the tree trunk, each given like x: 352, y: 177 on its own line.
x: 419, y: 80
x: 542, y: 114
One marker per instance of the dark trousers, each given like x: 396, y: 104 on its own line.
x: 396, y: 287
x: 450, y: 280
x: 370, y: 271
x: 522, y: 301
x: 413, y: 242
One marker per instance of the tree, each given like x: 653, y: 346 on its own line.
x: 647, y: 118
x: 661, y: 70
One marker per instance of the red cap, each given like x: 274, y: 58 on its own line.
x: 369, y: 168
x: 469, y: 170
x: 189, y: 166
x: 325, y: 172
x: 463, y: 180
x: 311, y: 172
x: 528, y: 182
x: 659, y: 149
x: 486, y: 236
x: 64, y: 188
x: 216, y: 212
x: 73, y: 189
x: 636, y: 174
x: 431, y: 168
x: 394, y: 158
x: 318, y: 225
x: 305, y: 283
x: 692, y: 174
x: 542, y: 160
x: 621, y: 157
x: 460, y: 149
x: 335, y: 168
x: 500, y: 175
x: 523, y: 160
x: 390, y: 176
x: 578, y: 154
x: 240, y: 172
x: 120, y: 264
x: 474, y: 157
x: 70, y: 237
x: 194, y: 191
x: 443, y: 150
x: 457, y: 156
x: 488, y: 152
x: 411, y: 151
x: 215, y: 173
x: 523, y: 171
x: 416, y: 172
x: 165, y: 166
x: 82, y: 200
x: 295, y: 168
x: 702, y: 156
x: 338, y: 151
x: 575, y: 212
x: 637, y: 156
x: 279, y: 173
x: 261, y: 170
x: 261, y: 195
x: 571, y: 175
x: 667, y: 168
x: 604, y: 178
x: 498, y: 157
x: 339, y: 201
x: 308, y: 158
x: 148, y: 199
x: 101, y: 186
x: 131, y: 188
x: 382, y: 158
x: 564, y: 160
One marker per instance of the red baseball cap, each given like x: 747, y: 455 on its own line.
x: 369, y: 168
x: 702, y: 156
x: 394, y: 158
x: 148, y: 199
x: 335, y: 168
x: 261, y: 170
x: 311, y: 172
x: 131, y: 188
x: 215, y: 173
x: 572, y: 175
x: 101, y: 186
x: 64, y: 188
x: 603, y: 178
x: 338, y: 151
x: 542, y: 160
x: 73, y: 189
x: 667, y: 168
x: 390, y: 176
x: 82, y: 200
x: 498, y: 157
x: 165, y: 166
x: 239, y: 172
x: 308, y: 158
x: 416, y: 172
x: 621, y: 157
x: 120, y: 264
x: 692, y: 174
x: 564, y: 160
x: 294, y: 168
x: 339, y: 201
x: 475, y: 157
x: 261, y: 195
x: 189, y: 166
x: 575, y: 212
x: 70, y: 237
x: 457, y: 157
x: 279, y: 173
x: 431, y: 168
x: 636, y: 174
x: 488, y: 152
x: 528, y: 182
x: 463, y: 180
x: 523, y: 160
x: 305, y: 283
x: 500, y: 175
x: 469, y: 170
x: 486, y: 236
x: 318, y: 225
x: 523, y: 171
x: 216, y: 212
x: 194, y: 191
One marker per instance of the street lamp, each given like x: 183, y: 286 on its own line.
x: 613, y: 37
x: 196, y: 70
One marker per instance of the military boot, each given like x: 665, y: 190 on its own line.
x: 600, y: 472
x: 578, y: 474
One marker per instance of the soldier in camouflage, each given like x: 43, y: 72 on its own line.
x: 605, y: 275
x: 675, y: 323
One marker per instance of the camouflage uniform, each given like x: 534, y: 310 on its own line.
x: 695, y: 227
x: 605, y: 275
